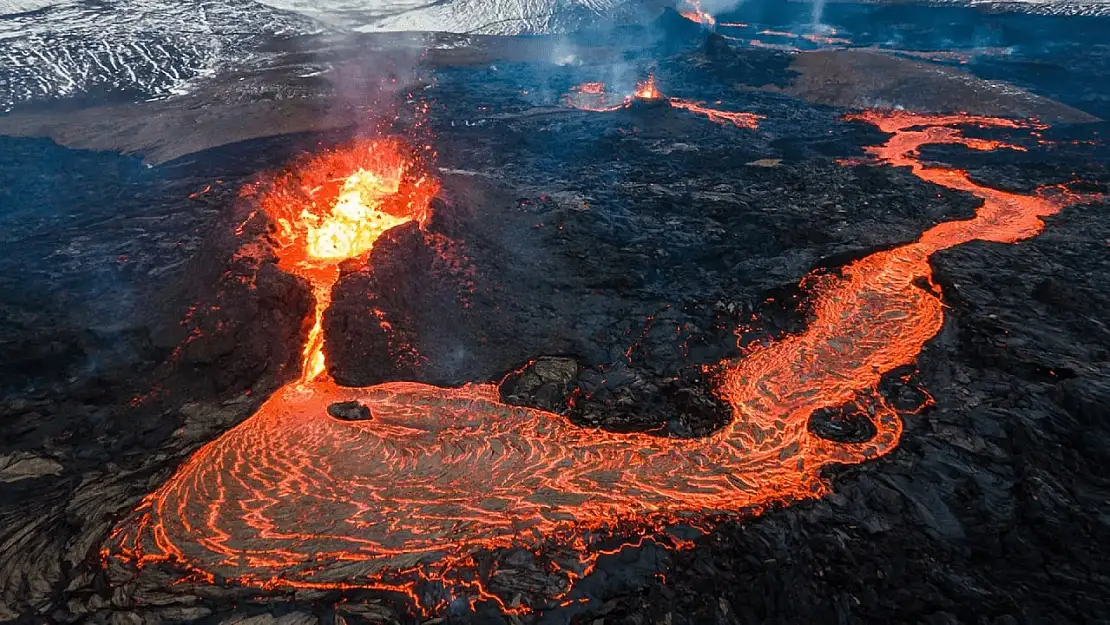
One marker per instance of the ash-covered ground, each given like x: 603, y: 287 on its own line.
x: 620, y: 252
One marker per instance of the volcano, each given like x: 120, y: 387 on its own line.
x: 592, y: 96
x: 702, y: 338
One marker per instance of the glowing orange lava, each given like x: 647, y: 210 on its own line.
x: 592, y: 96
x: 295, y: 498
x: 647, y: 90
x: 333, y: 208
x: 691, y: 10
x: 738, y: 119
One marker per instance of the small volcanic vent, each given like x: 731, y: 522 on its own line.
x: 592, y: 96
x: 647, y: 90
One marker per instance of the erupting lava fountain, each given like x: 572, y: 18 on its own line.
x: 293, y: 497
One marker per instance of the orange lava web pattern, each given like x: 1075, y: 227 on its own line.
x: 295, y: 498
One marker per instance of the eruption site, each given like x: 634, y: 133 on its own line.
x: 822, y: 36
x: 430, y: 476
x: 592, y: 96
x: 691, y: 10
x: 334, y: 209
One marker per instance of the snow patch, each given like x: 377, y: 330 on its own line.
x: 144, y: 48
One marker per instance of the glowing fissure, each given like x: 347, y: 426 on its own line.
x: 334, y: 208
x: 592, y: 96
x: 293, y: 497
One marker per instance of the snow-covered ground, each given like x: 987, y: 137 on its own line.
x: 493, y: 17
x: 23, y: 6
x: 142, y: 49
x: 152, y: 48
x: 1090, y: 8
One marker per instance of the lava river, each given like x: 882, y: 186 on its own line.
x: 294, y: 497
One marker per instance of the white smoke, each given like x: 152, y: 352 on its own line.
x: 816, y: 14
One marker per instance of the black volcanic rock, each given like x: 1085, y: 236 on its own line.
x: 870, y: 78
x: 350, y: 411
x: 369, y: 341
x: 716, y: 46
x: 645, y: 106
x: 255, y: 330
x: 545, y: 382
x: 842, y: 426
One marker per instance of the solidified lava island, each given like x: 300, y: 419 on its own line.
x: 426, y: 476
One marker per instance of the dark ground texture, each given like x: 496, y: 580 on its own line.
x: 625, y: 248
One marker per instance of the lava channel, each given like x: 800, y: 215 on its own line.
x: 293, y: 497
x: 593, y: 96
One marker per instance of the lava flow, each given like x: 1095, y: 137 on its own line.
x: 592, y: 96
x: 293, y: 497
x: 824, y: 38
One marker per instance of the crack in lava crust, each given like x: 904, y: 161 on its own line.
x: 293, y: 497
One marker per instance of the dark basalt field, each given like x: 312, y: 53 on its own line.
x: 596, y: 262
